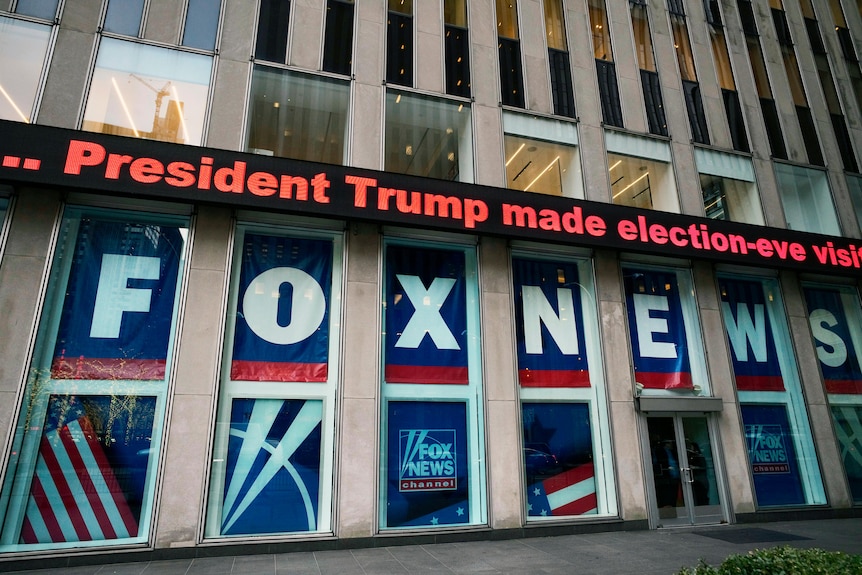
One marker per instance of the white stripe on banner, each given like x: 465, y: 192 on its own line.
x: 572, y: 493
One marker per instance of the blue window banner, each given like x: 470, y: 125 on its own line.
x: 848, y: 429
x: 118, y: 309
x: 91, y: 469
x: 427, y: 464
x: 426, y: 316
x: 549, y: 323
x: 836, y: 349
x: 772, y: 456
x: 749, y: 328
x: 558, y: 459
x: 282, y: 320
x: 272, y: 484
x: 657, y: 329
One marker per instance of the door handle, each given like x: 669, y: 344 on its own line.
x: 687, y: 475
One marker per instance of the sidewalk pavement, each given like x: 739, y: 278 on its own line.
x: 661, y: 552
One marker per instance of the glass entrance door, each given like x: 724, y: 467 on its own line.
x: 683, y: 470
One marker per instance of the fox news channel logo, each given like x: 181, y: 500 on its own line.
x: 766, y: 449
x: 427, y: 460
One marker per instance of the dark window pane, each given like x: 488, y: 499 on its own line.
x: 202, y: 24
x: 511, y: 76
x: 814, y: 36
x: 746, y: 15
x: 846, y: 43
x: 457, y: 61
x: 713, y: 12
x: 272, y: 30
x: 696, y: 116
x: 561, y: 83
x: 399, y: 50
x: 46, y: 9
x: 782, y: 30
x: 124, y: 16
x: 612, y: 113
x: 812, y: 142
x: 735, y: 121
x: 844, y: 145
x: 338, y: 44
x: 653, y: 103
x: 676, y: 7
x: 773, y: 128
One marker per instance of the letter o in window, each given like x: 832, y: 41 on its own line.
x: 261, y: 301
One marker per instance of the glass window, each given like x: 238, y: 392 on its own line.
x: 429, y: 137
x: 566, y: 450
x: 642, y: 183
x: 854, y: 186
x: 664, y: 331
x: 148, y: 92
x: 273, y: 456
x: 202, y: 24
x: 124, y: 17
x: 338, y: 40
x: 509, y: 53
x: 432, y: 456
x: 807, y: 199
x: 558, y: 58
x: 457, y: 42
x: 272, y: 24
x: 299, y: 116
x: 399, y: 43
x: 46, y: 9
x: 777, y: 433
x: 728, y: 186
x: 23, y: 48
x: 542, y: 156
x: 835, y: 315
x: 86, y: 451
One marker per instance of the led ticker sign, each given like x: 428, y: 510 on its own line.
x: 143, y: 168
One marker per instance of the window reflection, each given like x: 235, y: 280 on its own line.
x: 23, y: 47
x: 807, y: 200
x: 542, y: 167
x: 642, y: 183
x: 298, y: 116
x: 148, y: 92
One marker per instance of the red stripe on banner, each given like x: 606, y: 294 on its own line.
x: 553, y: 378
x: 844, y: 386
x: 277, y: 371
x: 108, y: 476
x: 27, y: 533
x: 426, y: 374
x: 47, y: 513
x: 107, y: 368
x: 62, y: 486
x: 655, y: 380
x: 87, y: 485
x: 759, y: 383
x: 579, y: 506
x: 568, y: 478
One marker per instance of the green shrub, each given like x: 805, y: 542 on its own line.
x: 782, y: 561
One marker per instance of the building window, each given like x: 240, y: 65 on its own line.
x: 338, y: 42
x: 272, y: 28
x: 835, y: 316
x: 650, y: 82
x: 781, y: 451
x: 807, y: 199
x: 428, y: 136
x: 542, y: 156
x: 612, y: 113
x: 300, y: 116
x: 86, y: 452
x: 273, y: 455
x: 509, y: 47
x: 728, y: 186
x: 724, y: 70
x: 399, y: 43
x: 457, y: 47
x: 558, y: 56
x: 664, y: 331
x: 690, y: 85
x: 201, y: 25
x: 148, y: 92
x: 124, y: 17
x: 640, y: 172
x: 563, y: 408
x: 23, y: 53
x: 432, y: 452
x: 44, y: 9
x: 854, y: 186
